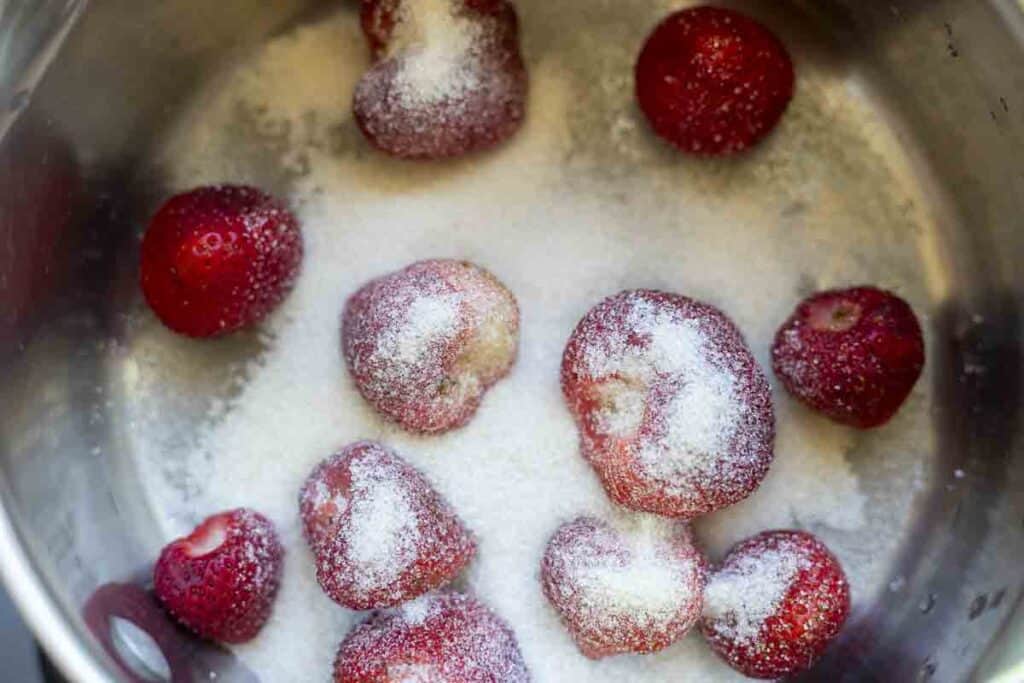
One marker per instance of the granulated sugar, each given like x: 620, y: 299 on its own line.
x: 628, y: 572
x: 564, y: 218
x: 437, y: 45
x: 702, y: 411
x: 415, y: 612
x: 415, y: 328
x: 749, y: 591
x: 428, y: 319
x: 382, y: 532
x: 699, y: 420
x: 646, y: 590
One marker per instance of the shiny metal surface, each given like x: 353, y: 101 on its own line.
x: 19, y: 654
x: 73, y: 186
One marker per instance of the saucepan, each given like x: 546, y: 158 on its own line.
x: 900, y: 160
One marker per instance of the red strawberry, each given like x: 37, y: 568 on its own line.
x: 217, y: 259
x: 775, y: 604
x: 377, y: 18
x: 425, y: 343
x: 220, y: 581
x: 447, y: 82
x: 379, y: 532
x: 636, y: 588
x: 439, y: 638
x: 712, y: 81
x: 852, y: 354
x: 674, y: 413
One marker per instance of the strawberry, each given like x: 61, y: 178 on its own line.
x: 377, y: 18
x: 218, y: 259
x: 438, y: 638
x: 447, y: 81
x: 632, y: 588
x: 852, y: 354
x: 424, y: 344
x: 379, y: 532
x: 220, y: 581
x: 774, y: 605
x: 674, y: 413
x: 712, y: 81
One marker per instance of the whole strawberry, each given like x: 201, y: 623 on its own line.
x: 218, y: 259
x: 447, y: 80
x: 674, y: 413
x: 426, y: 343
x: 438, y: 638
x: 379, y: 532
x: 633, y: 586
x: 220, y: 581
x: 712, y: 81
x: 775, y: 604
x: 852, y: 354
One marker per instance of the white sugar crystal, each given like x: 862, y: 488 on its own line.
x: 624, y: 409
x: 702, y: 416
x: 649, y: 588
x: 689, y: 436
x: 415, y: 612
x: 414, y: 673
x: 699, y: 421
x: 746, y: 594
x: 436, y: 45
x: 428, y: 321
x: 382, y: 531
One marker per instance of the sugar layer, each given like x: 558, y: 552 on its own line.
x: 583, y: 203
x: 750, y: 592
x: 382, y: 533
x: 437, y: 44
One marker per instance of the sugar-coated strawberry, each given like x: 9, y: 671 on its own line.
x: 448, y: 79
x: 379, y: 532
x: 712, y: 81
x: 633, y: 587
x: 220, y: 581
x: 439, y: 638
x: 852, y: 354
x: 674, y: 413
x: 424, y: 344
x: 377, y: 17
x: 218, y: 259
x: 774, y: 605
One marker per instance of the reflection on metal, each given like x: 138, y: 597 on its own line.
x: 71, y: 197
x: 31, y: 33
x: 138, y: 651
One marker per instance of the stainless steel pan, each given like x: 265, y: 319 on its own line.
x: 75, y: 183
